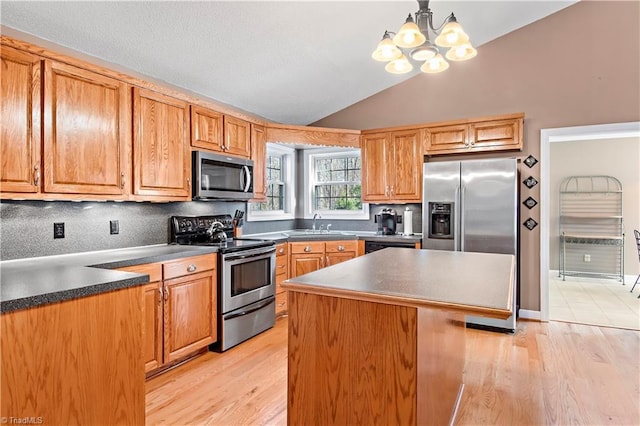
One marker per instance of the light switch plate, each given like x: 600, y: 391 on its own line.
x: 58, y: 230
x: 114, y: 227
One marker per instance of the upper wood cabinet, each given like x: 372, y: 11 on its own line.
x: 20, y: 91
x: 498, y: 134
x: 237, y: 137
x: 392, y: 166
x: 206, y: 129
x: 259, y: 157
x: 87, y: 120
x: 161, y: 156
x: 285, y: 133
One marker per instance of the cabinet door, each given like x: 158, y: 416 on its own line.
x: 206, y: 129
x: 153, y: 326
x: 446, y: 139
x: 335, y: 258
x: 161, y: 158
x: 259, y: 157
x: 304, y: 263
x: 20, y: 121
x: 496, y: 135
x: 375, y: 153
x: 86, y: 131
x: 405, y: 171
x: 190, y: 314
x: 237, y: 136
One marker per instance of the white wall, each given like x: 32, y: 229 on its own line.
x: 619, y: 158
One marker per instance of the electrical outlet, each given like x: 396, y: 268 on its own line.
x: 587, y: 258
x: 114, y: 227
x: 58, y: 230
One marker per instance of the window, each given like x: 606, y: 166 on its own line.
x: 333, y: 183
x: 279, y: 176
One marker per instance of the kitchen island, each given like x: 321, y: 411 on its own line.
x: 380, y: 339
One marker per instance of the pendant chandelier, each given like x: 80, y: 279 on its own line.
x: 415, y: 35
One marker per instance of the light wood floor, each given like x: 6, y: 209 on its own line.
x: 545, y: 374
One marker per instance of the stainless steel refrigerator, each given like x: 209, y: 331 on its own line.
x: 473, y: 206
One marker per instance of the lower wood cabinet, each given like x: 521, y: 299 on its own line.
x: 282, y: 273
x: 313, y: 255
x: 180, y: 314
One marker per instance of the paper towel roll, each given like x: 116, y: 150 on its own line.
x: 408, y: 222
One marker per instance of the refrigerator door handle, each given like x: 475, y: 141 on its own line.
x: 456, y: 219
x: 461, y: 209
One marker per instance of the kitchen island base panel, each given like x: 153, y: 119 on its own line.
x: 361, y: 362
x: 78, y: 361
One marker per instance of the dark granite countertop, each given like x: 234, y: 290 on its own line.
x: 476, y: 283
x: 26, y: 283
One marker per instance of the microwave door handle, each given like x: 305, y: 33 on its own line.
x: 247, y: 173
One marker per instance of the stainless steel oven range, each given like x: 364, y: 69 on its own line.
x: 246, y: 276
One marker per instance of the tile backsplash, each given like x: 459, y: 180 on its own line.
x: 26, y: 227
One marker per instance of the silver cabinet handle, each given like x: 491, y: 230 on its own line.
x: 160, y: 298
x: 392, y: 190
x: 189, y: 182
x: 281, y: 250
x: 340, y: 248
x: 122, y: 180
x: 386, y: 190
x: 166, y: 293
x: 307, y: 249
x: 36, y: 175
x: 191, y: 268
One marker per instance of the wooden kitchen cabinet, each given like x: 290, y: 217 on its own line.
x: 237, y: 137
x: 87, y: 138
x: 259, y: 157
x: 392, y: 166
x: 206, y: 129
x: 20, y: 91
x: 180, y: 308
x: 282, y: 273
x: 313, y: 255
x: 495, y: 134
x: 161, y: 155
x: 340, y: 251
x: 305, y: 257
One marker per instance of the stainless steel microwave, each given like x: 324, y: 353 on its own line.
x: 221, y: 177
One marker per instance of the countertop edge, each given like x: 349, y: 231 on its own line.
x: 291, y: 285
x: 70, y: 294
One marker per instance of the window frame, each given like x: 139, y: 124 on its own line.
x: 309, y: 185
x: 289, y: 178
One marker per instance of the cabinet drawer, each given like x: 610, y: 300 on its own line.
x: 281, y: 303
x: 189, y: 265
x: 154, y: 270
x: 281, y: 265
x: 281, y: 249
x: 307, y: 247
x: 279, y: 279
x: 341, y: 246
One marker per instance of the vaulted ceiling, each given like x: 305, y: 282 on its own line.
x: 292, y: 62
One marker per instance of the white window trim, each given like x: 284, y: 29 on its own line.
x: 289, y: 171
x: 308, y: 187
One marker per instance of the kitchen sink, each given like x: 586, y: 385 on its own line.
x: 314, y: 233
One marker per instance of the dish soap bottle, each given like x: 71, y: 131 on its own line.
x: 408, y: 222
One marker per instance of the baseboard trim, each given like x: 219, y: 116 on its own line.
x: 530, y: 315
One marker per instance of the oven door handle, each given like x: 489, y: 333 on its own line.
x: 252, y: 310
x: 256, y: 256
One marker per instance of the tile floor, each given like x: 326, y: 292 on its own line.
x: 594, y: 301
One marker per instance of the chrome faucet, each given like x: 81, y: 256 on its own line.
x: 315, y: 216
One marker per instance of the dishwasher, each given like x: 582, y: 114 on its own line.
x: 371, y: 246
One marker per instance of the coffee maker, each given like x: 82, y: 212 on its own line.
x: 386, y: 220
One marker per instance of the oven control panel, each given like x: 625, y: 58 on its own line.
x: 196, y: 224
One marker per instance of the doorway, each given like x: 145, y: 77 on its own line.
x: 583, y: 294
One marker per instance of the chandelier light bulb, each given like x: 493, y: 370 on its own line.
x: 452, y: 35
x: 461, y: 53
x: 386, y: 50
x: 435, y: 65
x: 409, y: 35
x: 399, y: 66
